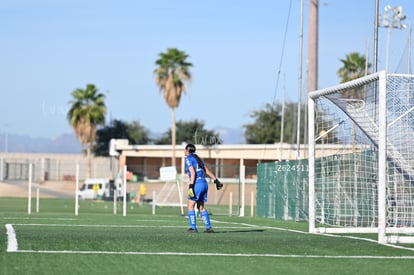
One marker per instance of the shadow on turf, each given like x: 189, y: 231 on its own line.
x: 239, y: 231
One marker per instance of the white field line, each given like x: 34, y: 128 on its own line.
x: 11, y: 238
x: 235, y: 226
x: 33, y: 218
x: 212, y: 254
x: 75, y: 219
x: 116, y: 225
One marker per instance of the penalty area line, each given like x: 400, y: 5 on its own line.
x: 212, y: 254
x: 327, y: 235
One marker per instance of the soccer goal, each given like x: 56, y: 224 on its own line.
x: 361, y: 158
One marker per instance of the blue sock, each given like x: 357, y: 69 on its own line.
x: 206, y: 219
x: 192, y: 219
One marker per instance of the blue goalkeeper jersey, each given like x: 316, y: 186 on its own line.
x: 191, y: 160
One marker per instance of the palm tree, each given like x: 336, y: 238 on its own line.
x: 354, y: 66
x: 86, y: 112
x: 171, y: 73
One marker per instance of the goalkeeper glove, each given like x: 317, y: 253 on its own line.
x: 190, y: 191
x: 219, y: 185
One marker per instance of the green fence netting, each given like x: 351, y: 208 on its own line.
x: 282, y: 190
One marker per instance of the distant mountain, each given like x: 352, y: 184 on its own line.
x: 63, y: 144
x: 68, y: 144
x: 231, y: 135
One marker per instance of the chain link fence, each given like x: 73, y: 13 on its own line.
x: 55, y: 176
x: 54, y: 168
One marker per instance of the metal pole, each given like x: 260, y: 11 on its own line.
x: 37, y: 200
x: 390, y: 21
x: 312, y: 79
x: 409, y: 47
x: 387, y: 53
x: 77, y: 190
x: 29, y: 191
x: 299, y: 81
x: 230, y: 203
x: 243, y: 189
x: 124, y: 185
x: 376, y: 24
x: 282, y: 124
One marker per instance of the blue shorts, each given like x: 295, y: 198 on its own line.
x: 200, y: 191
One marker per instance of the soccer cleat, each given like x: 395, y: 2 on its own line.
x: 209, y: 230
x: 192, y: 230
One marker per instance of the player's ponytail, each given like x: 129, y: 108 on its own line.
x: 200, y: 162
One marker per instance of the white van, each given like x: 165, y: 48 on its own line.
x: 99, y: 188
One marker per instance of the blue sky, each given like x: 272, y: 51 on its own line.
x: 50, y: 48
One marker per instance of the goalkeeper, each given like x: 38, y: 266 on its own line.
x: 198, y: 188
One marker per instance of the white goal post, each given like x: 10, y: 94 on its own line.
x: 361, y: 157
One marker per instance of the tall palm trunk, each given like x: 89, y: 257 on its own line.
x: 171, y: 73
x: 88, y: 155
x: 173, y: 136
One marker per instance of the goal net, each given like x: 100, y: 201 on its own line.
x: 171, y: 194
x: 361, y: 158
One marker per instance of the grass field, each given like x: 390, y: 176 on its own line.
x: 55, y: 241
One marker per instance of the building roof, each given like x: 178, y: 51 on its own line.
x: 222, y: 151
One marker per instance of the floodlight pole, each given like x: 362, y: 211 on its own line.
x: 409, y: 46
x: 313, y: 37
x: 392, y: 19
x: 387, y: 52
x: 312, y: 58
x: 376, y: 24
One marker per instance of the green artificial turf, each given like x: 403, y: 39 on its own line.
x: 56, y: 241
